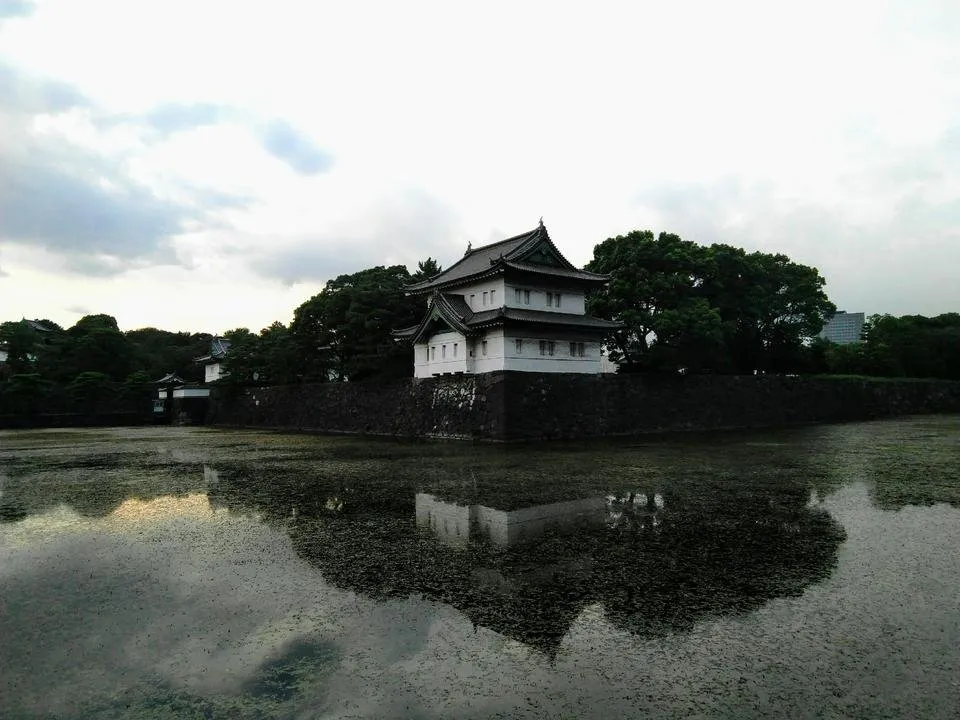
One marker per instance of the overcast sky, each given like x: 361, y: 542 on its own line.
x: 204, y: 164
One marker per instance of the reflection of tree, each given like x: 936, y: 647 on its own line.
x: 729, y: 560
x: 908, y: 461
x: 661, y: 562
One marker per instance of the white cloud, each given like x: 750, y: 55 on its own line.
x: 819, y: 130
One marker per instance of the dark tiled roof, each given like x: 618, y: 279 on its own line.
x: 219, y: 347
x: 495, y: 258
x: 169, y: 379
x: 452, y: 309
x: 557, y: 272
x: 541, y: 317
x: 38, y: 326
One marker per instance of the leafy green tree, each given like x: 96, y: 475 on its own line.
x: 93, y: 392
x: 24, y: 394
x: 95, y: 344
x: 653, y: 291
x: 706, y: 308
x: 21, y: 342
x: 158, y: 352
x: 907, y: 346
x: 343, y: 332
x: 269, y: 358
x: 426, y: 269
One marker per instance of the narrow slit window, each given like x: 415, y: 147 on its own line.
x: 556, y: 299
x: 551, y: 347
x: 493, y: 297
x: 573, y: 349
x: 443, y: 351
x: 483, y: 347
x: 455, y: 348
x: 517, y: 294
x: 526, y: 297
x: 485, y: 294
x: 519, y: 346
x: 549, y: 299
x: 433, y: 352
x: 543, y: 347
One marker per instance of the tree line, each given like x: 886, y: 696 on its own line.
x: 683, y: 307
x: 91, y: 366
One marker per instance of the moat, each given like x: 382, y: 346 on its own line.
x: 193, y: 572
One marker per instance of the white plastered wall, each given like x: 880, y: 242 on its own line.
x: 529, y: 358
x: 212, y: 372
x: 448, y: 354
x: 495, y: 295
x: 572, y: 302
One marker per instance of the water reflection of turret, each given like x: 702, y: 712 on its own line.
x: 457, y: 525
x: 525, y: 562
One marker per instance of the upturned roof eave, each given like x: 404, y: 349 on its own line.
x: 574, y: 322
x: 440, y: 308
x: 507, y: 268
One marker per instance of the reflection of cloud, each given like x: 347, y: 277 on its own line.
x: 162, y: 509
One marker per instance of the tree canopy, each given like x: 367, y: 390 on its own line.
x: 910, y: 346
x: 344, y: 331
x: 692, y: 307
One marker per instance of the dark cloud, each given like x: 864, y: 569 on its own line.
x: 80, y: 205
x: 56, y: 203
x: 403, y: 229
x: 15, y: 8
x: 284, y: 142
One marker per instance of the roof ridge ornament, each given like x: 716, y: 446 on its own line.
x: 469, y: 247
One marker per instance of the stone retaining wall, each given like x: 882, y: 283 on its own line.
x: 528, y: 406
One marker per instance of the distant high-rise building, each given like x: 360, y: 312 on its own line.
x: 844, y: 328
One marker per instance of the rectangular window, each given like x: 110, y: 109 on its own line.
x: 483, y: 347
x: 485, y: 297
x: 573, y: 349
x: 526, y: 297
x: 519, y: 346
x: 549, y: 299
x: 433, y: 352
x: 543, y: 347
x: 516, y: 295
x: 493, y: 297
x: 472, y: 298
x: 443, y: 351
x: 551, y: 347
x: 455, y: 349
x: 580, y: 349
x: 556, y: 299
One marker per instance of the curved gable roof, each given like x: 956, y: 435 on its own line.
x: 531, y: 251
x: 450, y: 309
